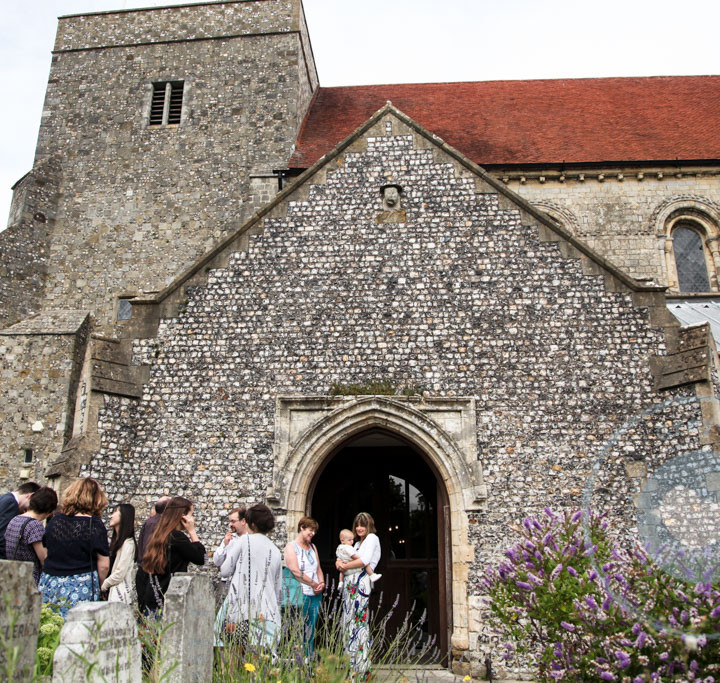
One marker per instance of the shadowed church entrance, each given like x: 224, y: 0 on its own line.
x: 384, y: 475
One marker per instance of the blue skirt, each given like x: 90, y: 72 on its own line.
x: 68, y: 591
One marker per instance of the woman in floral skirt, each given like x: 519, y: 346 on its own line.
x: 356, y: 594
x: 78, y: 556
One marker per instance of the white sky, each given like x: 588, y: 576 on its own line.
x: 358, y: 42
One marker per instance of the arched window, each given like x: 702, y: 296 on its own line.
x: 690, y: 258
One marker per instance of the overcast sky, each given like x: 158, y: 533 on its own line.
x: 358, y: 42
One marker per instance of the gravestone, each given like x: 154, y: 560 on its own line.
x: 186, y: 646
x: 19, y: 620
x: 98, y: 642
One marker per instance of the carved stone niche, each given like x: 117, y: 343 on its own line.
x: 309, y: 428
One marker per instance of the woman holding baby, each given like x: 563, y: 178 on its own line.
x: 356, y: 591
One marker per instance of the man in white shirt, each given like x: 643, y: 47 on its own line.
x: 238, y: 527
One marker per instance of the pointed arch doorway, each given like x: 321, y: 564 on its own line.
x: 379, y: 472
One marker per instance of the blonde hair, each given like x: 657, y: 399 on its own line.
x: 83, y: 497
x: 345, y: 531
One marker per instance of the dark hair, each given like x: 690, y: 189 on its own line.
x: 363, y: 519
x: 307, y: 523
x: 260, y: 518
x: 125, y: 530
x: 43, y: 501
x: 241, y: 512
x: 155, y: 556
x: 27, y: 487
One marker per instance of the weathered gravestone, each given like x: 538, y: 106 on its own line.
x: 186, y: 646
x: 99, y: 642
x: 19, y: 620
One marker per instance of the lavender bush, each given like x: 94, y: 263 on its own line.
x: 580, y: 608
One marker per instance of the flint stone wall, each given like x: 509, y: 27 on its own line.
x: 461, y: 299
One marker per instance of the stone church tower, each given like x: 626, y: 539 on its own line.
x: 225, y: 282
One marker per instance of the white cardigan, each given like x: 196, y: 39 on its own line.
x: 121, y: 582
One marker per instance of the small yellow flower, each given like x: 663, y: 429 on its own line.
x: 467, y: 678
x: 249, y: 667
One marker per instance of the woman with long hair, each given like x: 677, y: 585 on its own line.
x: 172, y: 547
x: 255, y: 594
x: 356, y: 593
x: 303, y: 561
x: 123, y: 554
x: 78, y: 556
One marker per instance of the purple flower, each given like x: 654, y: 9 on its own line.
x: 556, y: 572
x: 637, y: 627
x: 536, y: 524
x: 606, y: 603
x: 715, y: 613
x: 607, y: 676
x: 567, y: 626
x: 623, y: 659
x: 638, y: 679
x: 640, y: 642
x: 576, y: 518
x: 548, y: 537
x: 524, y: 585
x: 536, y: 580
x: 592, y: 575
x: 590, y: 551
x: 664, y: 656
x: 571, y: 571
x: 590, y: 602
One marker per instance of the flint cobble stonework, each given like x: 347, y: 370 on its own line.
x: 461, y: 298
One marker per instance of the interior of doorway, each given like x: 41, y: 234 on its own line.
x: 381, y: 473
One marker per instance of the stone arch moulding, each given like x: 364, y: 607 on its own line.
x: 565, y: 217
x: 308, y: 429
x: 705, y: 215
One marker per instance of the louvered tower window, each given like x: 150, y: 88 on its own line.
x: 166, y: 105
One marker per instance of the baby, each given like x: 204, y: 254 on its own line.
x: 345, y: 553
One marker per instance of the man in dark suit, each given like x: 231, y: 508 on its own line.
x: 13, y: 504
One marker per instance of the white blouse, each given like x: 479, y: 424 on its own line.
x: 369, y: 551
x: 254, y: 567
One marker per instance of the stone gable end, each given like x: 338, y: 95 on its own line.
x: 461, y: 294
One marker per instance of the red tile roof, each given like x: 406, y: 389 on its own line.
x: 533, y: 122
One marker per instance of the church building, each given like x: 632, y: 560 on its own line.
x: 449, y: 305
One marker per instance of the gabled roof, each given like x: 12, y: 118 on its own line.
x: 497, y: 123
